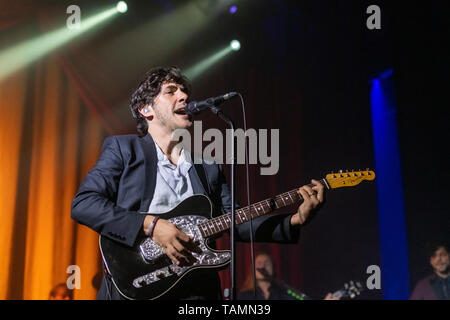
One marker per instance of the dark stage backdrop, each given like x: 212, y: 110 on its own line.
x: 304, y: 68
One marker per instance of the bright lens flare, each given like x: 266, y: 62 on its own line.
x: 235, y: 45
x: 122, y: 6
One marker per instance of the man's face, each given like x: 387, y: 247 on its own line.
x: 263, y: 261
x: 440, y: 260
x: 168, y: 107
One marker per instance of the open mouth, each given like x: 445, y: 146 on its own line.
x: 181, y: 111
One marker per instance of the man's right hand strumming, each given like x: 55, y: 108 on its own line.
x: 176, y: 244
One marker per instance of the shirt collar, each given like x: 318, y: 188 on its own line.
x: 184, y: 162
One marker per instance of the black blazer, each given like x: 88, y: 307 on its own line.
x: 122, y: 184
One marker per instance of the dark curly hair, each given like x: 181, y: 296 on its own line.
x: 434, y: 244
x: 149, y: 88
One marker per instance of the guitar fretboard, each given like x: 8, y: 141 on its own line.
x: 217, y: 225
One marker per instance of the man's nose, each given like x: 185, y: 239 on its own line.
x: 182, y: 97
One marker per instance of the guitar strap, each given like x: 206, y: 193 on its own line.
x: 202, y: 175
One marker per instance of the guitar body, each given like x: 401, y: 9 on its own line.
x: 144, y: 271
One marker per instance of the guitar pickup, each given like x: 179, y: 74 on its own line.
x: 156, y: 275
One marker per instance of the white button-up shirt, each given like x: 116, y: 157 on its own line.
x: 172, y: 182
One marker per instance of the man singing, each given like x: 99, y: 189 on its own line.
x: 139, y: 177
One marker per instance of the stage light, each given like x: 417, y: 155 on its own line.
x: 206, y: 64
x: 235, y: 45
x: 22, y: 54
x: 390, y: 194
x: 233, y: 9
x: 122, y: 6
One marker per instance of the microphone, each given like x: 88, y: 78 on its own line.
x: 195, y: 107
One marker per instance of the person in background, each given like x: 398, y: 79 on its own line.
x: 268, y: 288
x: 435, y: 286
x: 60, y: 292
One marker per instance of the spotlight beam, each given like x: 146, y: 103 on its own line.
x: 25, y: 53
x: 205, y: 64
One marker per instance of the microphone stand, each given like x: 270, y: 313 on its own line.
x: 217, y: 111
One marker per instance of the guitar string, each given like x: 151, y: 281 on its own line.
x: 247, y: 211
x: 226, y: 218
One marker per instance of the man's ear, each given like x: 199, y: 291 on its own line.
x: 146, y: 111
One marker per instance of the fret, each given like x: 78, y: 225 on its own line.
x: 246, y: 215
x: 256, y: 210
x: 242, y: 211
x: 202, y: 231
x: 282, y: 198
x: 278, y: 204
x: 242, y: 214
x: 225, y: 220
x: 290, y: 197
x: 261, y: 208
x: 286, y: 197
x: 268, y: 204
x: 239, y: 216
x: 213, y: 225
x: 221, y: 226
x: 205, y: 229
x: 209, y: 227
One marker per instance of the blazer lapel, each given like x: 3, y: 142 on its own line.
x: 197, y: 186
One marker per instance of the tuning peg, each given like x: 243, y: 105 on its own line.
x: 340, y: 171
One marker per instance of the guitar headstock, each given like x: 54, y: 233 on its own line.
x: 350, y: 290
x: 348, y: 178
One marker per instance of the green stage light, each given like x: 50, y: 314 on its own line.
x: 202, y: 66
x: 122, y: 6
x: 235, y: 45
x: 22, y: 54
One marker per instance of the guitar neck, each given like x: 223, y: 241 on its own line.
x: 216, y: 226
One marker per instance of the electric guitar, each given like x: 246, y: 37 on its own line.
x: 350, y: 290
x: 143, y: 271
